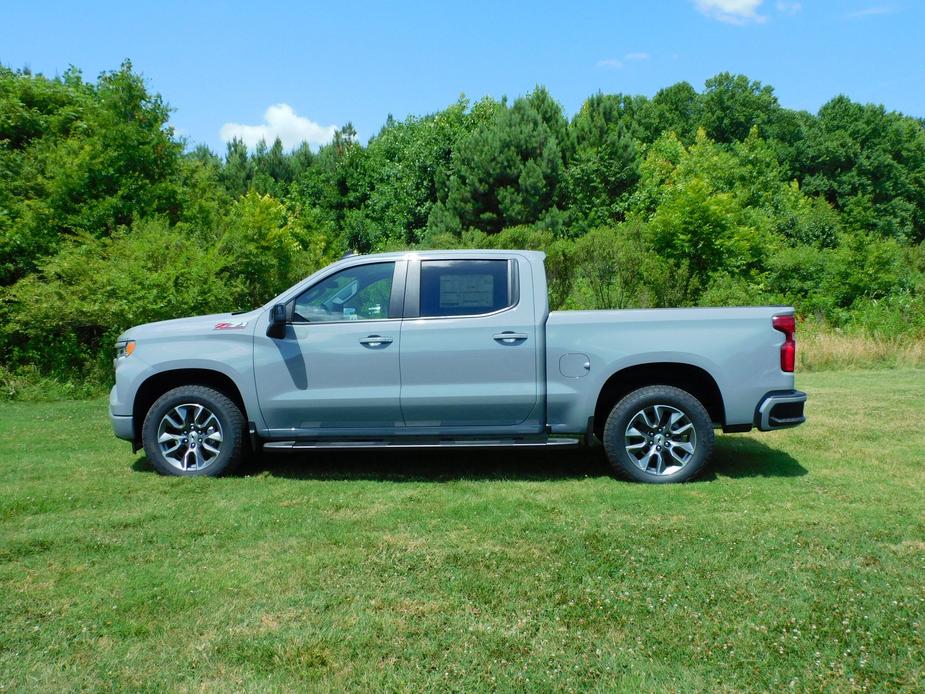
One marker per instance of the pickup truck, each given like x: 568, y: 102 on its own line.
x: 450, y: 349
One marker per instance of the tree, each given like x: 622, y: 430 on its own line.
x: 676, y: 109
x: 870, y: 164
x: 605, y: 166
x: 237, y: 172
x: 698, y: 207
x: 612, y: 267
x: 410, y: 163
x: 733, y: 105
x: 507, y: 172
x: 266, y: 248
x: 81, y: 159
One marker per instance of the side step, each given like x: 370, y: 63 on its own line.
x: 323, y: 444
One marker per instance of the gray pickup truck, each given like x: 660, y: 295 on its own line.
x: 450, y: 349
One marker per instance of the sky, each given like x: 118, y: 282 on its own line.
x: 301, y: 69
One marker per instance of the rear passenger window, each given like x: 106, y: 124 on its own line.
x: 464, y: 287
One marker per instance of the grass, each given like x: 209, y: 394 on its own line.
x: 797, y: 563
x: 828, y: 350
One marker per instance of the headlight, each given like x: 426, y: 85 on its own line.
x: 124, y: 348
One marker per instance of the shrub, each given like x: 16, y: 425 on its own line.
x: 65, y: 317
x: 609, y: 260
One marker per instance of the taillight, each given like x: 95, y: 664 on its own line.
x: 788, y: 350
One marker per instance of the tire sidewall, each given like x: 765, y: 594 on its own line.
x: 228, y: 416
x: 625, y: 409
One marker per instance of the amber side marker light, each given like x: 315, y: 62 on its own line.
x: 125, y: 349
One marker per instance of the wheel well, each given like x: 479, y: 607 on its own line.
x: 158, y: 384
x: 687, y: 377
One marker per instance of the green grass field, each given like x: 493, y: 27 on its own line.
x: 796, y: 563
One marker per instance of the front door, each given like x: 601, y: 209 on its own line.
x: 337, y: 367
x: 469, y: 346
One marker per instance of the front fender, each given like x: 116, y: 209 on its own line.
x: 229, y: 353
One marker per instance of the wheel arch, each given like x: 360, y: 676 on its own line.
x: 694, y: 379
x: 159, y: 383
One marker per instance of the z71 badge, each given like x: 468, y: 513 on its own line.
x: 230, y: 326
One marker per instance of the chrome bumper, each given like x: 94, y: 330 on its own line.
x: 780, y: 410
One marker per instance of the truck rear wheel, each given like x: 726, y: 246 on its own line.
x: 658, y: 435
x: 194, y: 431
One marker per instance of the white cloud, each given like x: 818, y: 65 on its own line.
x: 610, y: 64
x: 731, y: 11
x: 787, y: 7
x: 615, y: 64
x: 280, y: 120
x: 870, y: 12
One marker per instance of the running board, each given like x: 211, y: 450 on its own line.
x: 317, y: 444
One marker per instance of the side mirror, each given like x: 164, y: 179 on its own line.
x: 277, y: 325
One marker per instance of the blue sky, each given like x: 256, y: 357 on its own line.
x: 311, y: 66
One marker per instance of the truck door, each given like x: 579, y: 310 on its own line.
x: 468, y: 345
x: 337, y: 366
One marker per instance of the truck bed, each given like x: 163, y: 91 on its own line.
x: 737, y: 347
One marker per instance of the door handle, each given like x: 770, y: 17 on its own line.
x: 375, y: 340
x: 509, y: 338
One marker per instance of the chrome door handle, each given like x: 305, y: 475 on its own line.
x: 375, y: 340
x: 509, y: 338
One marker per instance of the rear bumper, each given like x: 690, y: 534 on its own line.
x: 780, y: 410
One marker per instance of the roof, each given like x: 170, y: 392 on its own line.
x: 459, y: 253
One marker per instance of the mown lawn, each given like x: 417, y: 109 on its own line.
x: 797, y: 563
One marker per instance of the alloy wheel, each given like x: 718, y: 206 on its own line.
x: 190, y: 437
x: 660, y: 439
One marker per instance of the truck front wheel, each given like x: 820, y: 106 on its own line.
x: 659, y: 435
x: 194, y: 431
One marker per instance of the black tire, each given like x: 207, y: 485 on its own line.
x: 232, y: 448
x: 669, y: 400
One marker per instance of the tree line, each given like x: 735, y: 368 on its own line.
x: 713, y: 197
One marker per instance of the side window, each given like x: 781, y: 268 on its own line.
x: 464, y: 287
x: 357, y: 293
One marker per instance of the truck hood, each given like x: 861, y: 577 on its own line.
x: 196, y: 325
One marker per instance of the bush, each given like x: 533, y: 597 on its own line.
x: 65, y: 318
x: 28, y: 383
x: 726, y: 290
x: 898, y: 315
x: 609, y: 263
x: 265, y: 248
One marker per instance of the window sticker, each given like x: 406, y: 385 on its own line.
x: 466, y: 291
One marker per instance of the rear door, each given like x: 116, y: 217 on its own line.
x: 468, y: 345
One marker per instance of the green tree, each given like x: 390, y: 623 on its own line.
x: 410, y: 163
x: 870, y: 164
x: 733, y: 105
x: 266, y: 248
x: 698, y: 209
x: 612, y: 264
x: 676, y: 109
x: 81, y: 159
x: 605, y: 166
x: 507, y: 172
x: 65, y: 316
